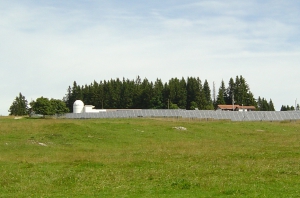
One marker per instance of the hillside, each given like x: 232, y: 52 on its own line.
x: 148, y: 158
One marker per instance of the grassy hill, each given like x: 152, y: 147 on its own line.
x: 148, y: 158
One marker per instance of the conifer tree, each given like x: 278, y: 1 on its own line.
x: 178, y: 92
x: 202, y: 101
x: 207, y: 93
x: 126, y: 93
x: 19, y: 106
x: 193, y: 92
x: 182, y: 94
x: 157, y: 98
x: 230, y: 92
x: 271, y: 105
x: 221, y: 95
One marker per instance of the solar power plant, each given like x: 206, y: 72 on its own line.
x: 193, y: 114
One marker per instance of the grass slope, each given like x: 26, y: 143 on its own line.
x: 148, y: 158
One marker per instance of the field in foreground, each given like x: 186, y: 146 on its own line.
x: 148, y: 158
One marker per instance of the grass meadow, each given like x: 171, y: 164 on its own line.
x: 148, y: 158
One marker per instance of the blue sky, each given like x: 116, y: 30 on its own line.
x: 46, y: 45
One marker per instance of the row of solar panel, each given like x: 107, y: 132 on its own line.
x: 201, y: 114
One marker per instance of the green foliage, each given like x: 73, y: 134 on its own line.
x: 19, y: 106
x: 59, y: 106
x: 239, y: 92
x: 44, y: 106
x: 264, y: 105
x: 221, y: 94
x: 193, y: 105
x: 144, y: 94
x: 174, y: 106
x: 148, y: 158
x: 194, y: 90
x: 289, y: 108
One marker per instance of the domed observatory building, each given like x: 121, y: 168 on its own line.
x: 79, y: 107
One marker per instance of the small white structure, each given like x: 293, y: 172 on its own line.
x: 79, y: 107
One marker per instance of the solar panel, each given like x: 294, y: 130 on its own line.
x: 193, y: 114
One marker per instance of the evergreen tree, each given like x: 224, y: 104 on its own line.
x: 283, y: 108
x: 230, y: 92
x: 146, y: 94
x: 19, y: 106
x: 201, y: 100
x: 259, y: 103
x: 137, y: 93
x: 68, y: 99
x: 193, y: 93
x: 263, y: 105
x: 105, y: 97
x: 242, y: 94
x: 271, y: 105
x: 157, y: 97
x: 250, y: 100
x: 186, y: 94
x: 95, y: 95
x: 207, y: 93
x: 181, y: 96
x: 126, y: 94
x: 221, y: 95
x: 178, y: 92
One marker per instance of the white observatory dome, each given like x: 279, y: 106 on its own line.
x: 78, y: 106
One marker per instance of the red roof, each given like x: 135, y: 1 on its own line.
x: 230, y: 107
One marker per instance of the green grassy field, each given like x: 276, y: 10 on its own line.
x: 148, y: 158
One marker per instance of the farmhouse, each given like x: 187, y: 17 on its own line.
x: 235, y: 108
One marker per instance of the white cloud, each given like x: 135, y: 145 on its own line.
x: 45, y: 47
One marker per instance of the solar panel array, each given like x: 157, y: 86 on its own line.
x: 193, y: 114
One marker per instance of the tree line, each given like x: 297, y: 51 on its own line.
x: 42, y: 106
x: 191, y: 93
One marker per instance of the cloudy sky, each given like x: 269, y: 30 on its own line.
x: 45, y: 45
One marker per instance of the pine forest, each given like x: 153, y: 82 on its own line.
x: 190, y: 93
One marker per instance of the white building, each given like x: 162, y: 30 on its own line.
x: 79, y: 107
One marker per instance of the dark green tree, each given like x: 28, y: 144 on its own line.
x: 166, y: 96
x: 178, y: 92
x: 136, y: 95
x: 42, y: 106
x: 146, y: 93
x: 157, y: 97
x: 207, y: 94
x: 283, y: 108
x: 193, y: 93
x: 186, y: 94
x: 221, y: 95
x: 127, y: 91
x: 58, y: 106
x: 68, y: 99
x: 271, y: 105
x: 230, y: 92
x: 19, y: 107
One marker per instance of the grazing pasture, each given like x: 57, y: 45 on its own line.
x: 148, y: 158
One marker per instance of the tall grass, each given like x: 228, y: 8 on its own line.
x: 148, y: 158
